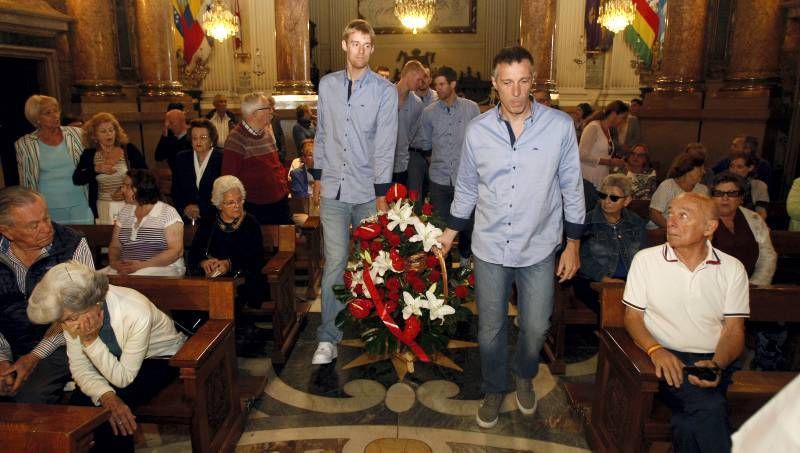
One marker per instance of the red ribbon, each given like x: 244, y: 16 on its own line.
x: 387, y: 319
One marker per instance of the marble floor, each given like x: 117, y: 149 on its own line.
x: 368, y: 408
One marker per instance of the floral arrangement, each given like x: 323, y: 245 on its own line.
x: 396, y: 288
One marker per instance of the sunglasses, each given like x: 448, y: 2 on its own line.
x: 613, y: 198
x: 729, y: 193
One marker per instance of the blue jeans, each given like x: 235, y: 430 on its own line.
x: 535, y: 305
x: 417, y: 174
x: 337, y: 217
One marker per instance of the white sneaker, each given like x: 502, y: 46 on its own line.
x: 325, y: 353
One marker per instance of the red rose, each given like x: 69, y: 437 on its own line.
x: 409, y: 231
x: 360, y: 308
x: 427, y: 209
x: 348, y: 279
x: 383, y: 219
x: 418, y: 285
x: 431, y: 261
x: 396, y: 192
x: 471, y: 280
x: 367, y: 231
x: 394, y: 239
x: 411, y: 328
x: 462, y: 291
x: 376, y: 246
x: 413, y: 195
x: 393, y: 283
x: 364, y: 245
x: 434, y: 276
x: 390, y: 306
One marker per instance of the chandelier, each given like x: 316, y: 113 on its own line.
x: 414, y: 14
x: 219, y: 22
x: 615, y: 15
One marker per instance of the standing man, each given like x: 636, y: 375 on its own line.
x: 173, y: 138
x: 223, y: 119
x: 251, y: 155
x: 520, y: 170
x: 276, y: 130
x: 408, y: 116
x: 444, y: 124
x: 417, y: 163
x: 354, y: 151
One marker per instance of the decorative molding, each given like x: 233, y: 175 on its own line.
x: 33, y: 18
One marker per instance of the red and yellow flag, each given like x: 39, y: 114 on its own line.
x: 641, y: 35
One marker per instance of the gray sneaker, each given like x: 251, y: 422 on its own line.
x: 526, y: 396
x: 489, y: 411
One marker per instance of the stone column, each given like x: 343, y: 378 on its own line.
x: 681, y: 67
x: 755, y: 44
x: 292, y: 54
x: 537, y: 31
x: 94, y: 59
x: 157, y: 64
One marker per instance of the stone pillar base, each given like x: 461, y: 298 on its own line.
x: 98, y: 88
x: 751, y: 82
x: 283, y: 87
x: 678, y: 85
x: 161, y: 89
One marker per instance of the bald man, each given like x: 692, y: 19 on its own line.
x: 173, y: 138
x: 686, y: 303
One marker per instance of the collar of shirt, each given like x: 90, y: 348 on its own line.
x: 250, y: 129
x: 711, y: 255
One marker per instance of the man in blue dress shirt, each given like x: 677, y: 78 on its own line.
x: 353, y: 158
x: 408, y: 116
x: 520, y: 171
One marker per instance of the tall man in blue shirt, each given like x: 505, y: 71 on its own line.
x: 520, y: 171
x: 354, y: 153
x: 408, y: 116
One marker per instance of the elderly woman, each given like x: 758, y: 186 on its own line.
x: 642, y: 175
x: 117, y: 343
x: 46, y: 160
x: 230, y: 242
x: 104, y: 162
x: 684, y: 175
x: 742, y: 233
x: 148, y: 236
x: 597, y: 145
x: 195, y: 172
x: 756, y: 195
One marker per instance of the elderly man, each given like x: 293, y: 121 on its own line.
x: 520, y: 172
x: 408, y: 116
x: 686, y: 305
x: 543, y: 97
x: 251, y: 155
x: 223, y: 119
x: 33, y: 363
x: 745, y: 144
x: 174, y: 138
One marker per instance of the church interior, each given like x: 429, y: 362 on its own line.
x: 704, y: 71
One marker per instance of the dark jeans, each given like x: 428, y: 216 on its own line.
x: 154, y: 375
x: 441, y: 199
x: 271, y: 214
x: 45, y: 383
x: 699, y: 415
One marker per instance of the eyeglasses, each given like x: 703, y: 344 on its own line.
x: 232, y: 203
x: 723, y: 193
x: 613, y: 198
x: 264, y: 108
x: 200, y: 137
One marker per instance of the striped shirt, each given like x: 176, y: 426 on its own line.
x: 143, y: 240
x: 107, y: 185
x: 27, y: 148
x: 48, y: 344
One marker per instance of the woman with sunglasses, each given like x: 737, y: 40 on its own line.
x: 742, y: 233
x: 118, y: 344
x: 613, y: 236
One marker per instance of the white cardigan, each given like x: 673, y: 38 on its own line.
x: 767, y: 257
x: 142, y: 331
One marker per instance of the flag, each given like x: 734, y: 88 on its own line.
x: 237, y: 42
x: 647, y: 27
x: 190, y: 34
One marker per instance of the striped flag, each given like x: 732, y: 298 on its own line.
x: 647, y: 27
x: 190, y: 34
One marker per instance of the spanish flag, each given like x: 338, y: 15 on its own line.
x: 641, y: 35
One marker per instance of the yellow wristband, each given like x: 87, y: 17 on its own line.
x: 653, y: 349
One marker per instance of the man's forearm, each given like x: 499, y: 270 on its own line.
x: 731, y: 343
x: 634, y: 324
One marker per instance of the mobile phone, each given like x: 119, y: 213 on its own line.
x: 701, y: 372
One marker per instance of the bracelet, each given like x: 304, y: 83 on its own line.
x: 653, y: 349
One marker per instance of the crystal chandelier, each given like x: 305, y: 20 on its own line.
x: 414, y: 14
x: 219, y: 22
x: 615, y: 15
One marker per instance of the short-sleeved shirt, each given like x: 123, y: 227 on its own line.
x: 666, y: 192
x: 148, y: 238
x: 684, y: 309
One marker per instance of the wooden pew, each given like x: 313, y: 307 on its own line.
x: 207, y: 394
x: 98, y: 237
x: 48, y: 428
x: 308, y: 257
x: 626, y: 417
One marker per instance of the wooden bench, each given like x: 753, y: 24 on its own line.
x: 308, y: 262
x: 48, y: 428
x: 625, y: 416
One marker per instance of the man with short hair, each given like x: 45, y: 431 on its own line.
x: 686, y: 303
x: 542, y: 97
x: 408, y: 116
x: 417, y: 162
x: 353, y: 158
x: 223, y: 119
x: 33, y: 361
x: 444, y: 124
x: 174, y: 138
x: 747, y: 144
x: 520, y: 171
x: 251, y: 155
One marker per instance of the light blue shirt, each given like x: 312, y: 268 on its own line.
x: 355, y: 141
x: 442, y: 131
x: 408, y: 120
x: 429, y: 97
x: 525, y: 190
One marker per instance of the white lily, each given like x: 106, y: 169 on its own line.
x: 379, y: 266
x: 428, y: 234
x: 358, y: 278
x: 436, y: 306
x: 413, y: 305
x: 401, y: 214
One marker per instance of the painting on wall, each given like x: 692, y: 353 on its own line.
x: 452, y: 16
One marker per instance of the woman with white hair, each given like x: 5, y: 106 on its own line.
x: 47, y: 158
x: 117, y: 344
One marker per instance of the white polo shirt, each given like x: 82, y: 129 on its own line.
x: 684, y: 309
